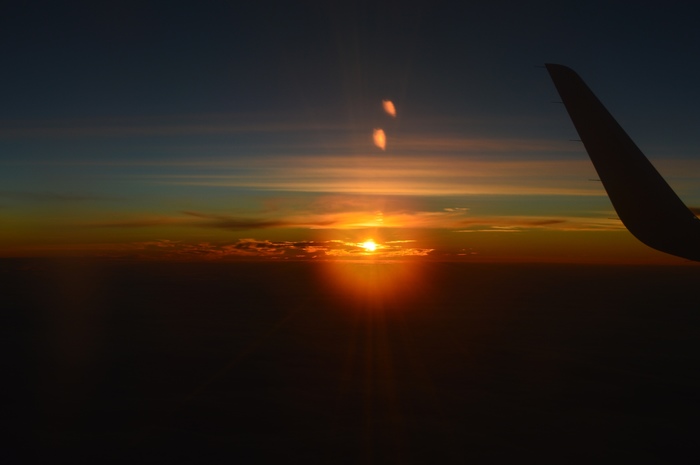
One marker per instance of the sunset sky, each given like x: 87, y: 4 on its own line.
x: 178, y: 130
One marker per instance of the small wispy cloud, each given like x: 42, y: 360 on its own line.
x: 430, y: 175
x: 509, y: 224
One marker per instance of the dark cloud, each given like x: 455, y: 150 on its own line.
x: 162, y: 126
x: 148, y: 223
x: 544, y: 222
x: 244, y: 223
x: 233, y: 223
x: 512, y: 222
x: 211, y: 221
x: 51, y: 196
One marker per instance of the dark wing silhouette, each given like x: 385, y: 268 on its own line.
x: 645, y: 203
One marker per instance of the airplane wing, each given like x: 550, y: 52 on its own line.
x: 645, y: 203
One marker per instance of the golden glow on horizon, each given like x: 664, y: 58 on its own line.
x: 379, y: 138
x: 389, y: 108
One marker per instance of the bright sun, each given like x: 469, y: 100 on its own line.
x: 369, y: 246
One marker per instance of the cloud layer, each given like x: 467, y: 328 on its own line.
x: 266, y: 249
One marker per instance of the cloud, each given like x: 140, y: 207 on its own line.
x: 266, y: 249
x: 509, y: 224
x: 227, y: 222
x: 347, y: 215
x: 233, y: 223
x: 210, y: 124
x: 348, y: 203
x: 203, y: 250
x: 137, y: 223
x: 51, y: 196
x: 350, y: 214
x: 339, y: 158
x: 205, y: 220
x: 430, y: 175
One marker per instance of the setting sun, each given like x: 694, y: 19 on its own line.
x: 369, y: 246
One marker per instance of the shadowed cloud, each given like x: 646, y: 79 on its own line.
x: 227, y: 222
x: 353, y: 214
x: 161, y: 126
x: 139, y: 223
x: 51, y: 196
x: 211, y: 221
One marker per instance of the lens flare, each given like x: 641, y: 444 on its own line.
x: 379, y: 138
x: 389, y: 108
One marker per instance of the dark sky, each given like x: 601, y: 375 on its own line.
x: 149, y: 58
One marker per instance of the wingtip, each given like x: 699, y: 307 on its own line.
x: 560, y: 71
x: 556, y: 66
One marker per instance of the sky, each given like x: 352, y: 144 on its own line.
x: 218, y: 131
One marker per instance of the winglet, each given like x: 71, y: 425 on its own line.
x: 645, y: 203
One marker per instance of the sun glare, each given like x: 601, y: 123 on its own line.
x: 369, y: 246
x: 374, y: 286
